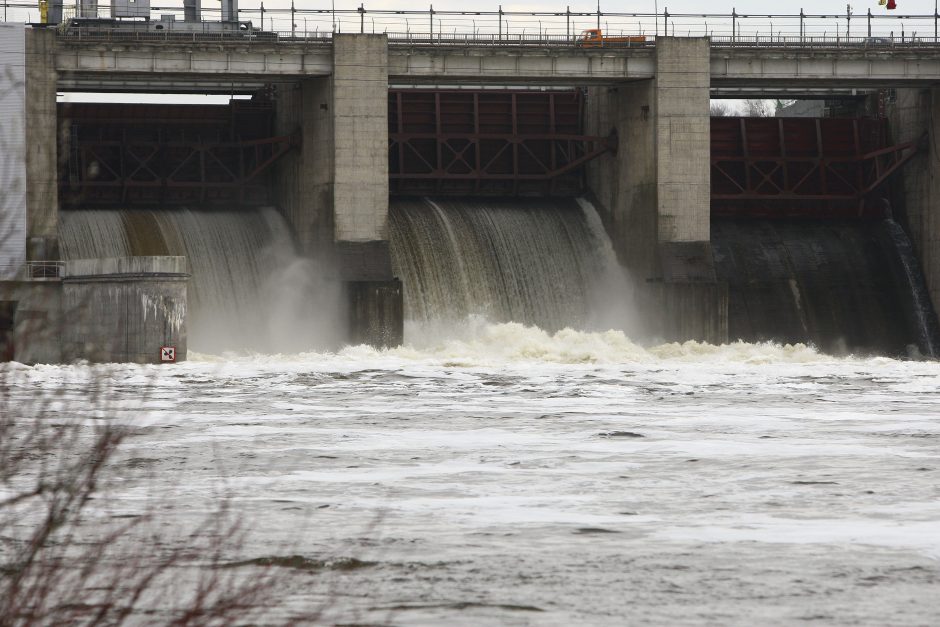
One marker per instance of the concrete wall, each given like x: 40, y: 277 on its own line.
x: 336, y: 185
x: 376, y: 312
x: 683, y: 139
x: 657, y: 188
x: 42, y: 198
x: 625, y: 184
x: 304, y: 177
x: 12, y: 149
x: 37, y: 319
x: 918, y: 206
x: 124, y: 309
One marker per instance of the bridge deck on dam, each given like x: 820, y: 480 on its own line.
x: 122, y: 65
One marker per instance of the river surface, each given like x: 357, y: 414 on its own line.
x: 518, y: 478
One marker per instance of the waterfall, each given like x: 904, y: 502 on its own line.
x: 544, y: 261
x: 249, y: 289
x: 841, y: 285
x: 917, y: 306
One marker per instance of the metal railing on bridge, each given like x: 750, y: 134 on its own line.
x: 32, y: 271
x: 508, y: 40
x: 526, y: 28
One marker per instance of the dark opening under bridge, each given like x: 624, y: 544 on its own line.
x: 467, y: 142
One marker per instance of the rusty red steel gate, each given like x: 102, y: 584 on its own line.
x: 165, y: 155
x: 489, y: 142
x: 803, y: 167
x: 466, y: 142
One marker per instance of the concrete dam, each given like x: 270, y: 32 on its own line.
x: 334, y: 209
x: 538, y: 257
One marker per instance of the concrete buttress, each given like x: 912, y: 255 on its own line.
x: 42, y: 197
x: 654, y: 195
x: 334, y: 190
x: 914, y: 112
x: 124, y: 309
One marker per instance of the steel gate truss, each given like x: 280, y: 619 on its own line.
x: 489, y: 142
x: 151, y: 172
x: 803, y: 166
x: 493, y: 157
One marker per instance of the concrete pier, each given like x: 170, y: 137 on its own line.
x: 915, y: 112
x: 100, y: 310
x: 360, y: 188
x: 655, y: 192
x: 334, y: 190
x: 42, y: 192
x: 124, y: 309
x: 32, y: 322
x: 375, y: 313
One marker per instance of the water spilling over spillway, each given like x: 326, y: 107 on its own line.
x: 541, y: 262
x: 249, y: 289
x: 545, y: 262
x: 843, y: 286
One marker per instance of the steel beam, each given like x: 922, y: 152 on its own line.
x: 507, y: 142
x: 805, y: 166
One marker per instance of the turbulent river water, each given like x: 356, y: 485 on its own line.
x: 496, y: 473
x: 509, y: 476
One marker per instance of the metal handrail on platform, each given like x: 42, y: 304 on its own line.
x: 33, y: 270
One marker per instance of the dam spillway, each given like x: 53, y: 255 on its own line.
x: 544, y: 262
x: 793, y: 275
x: 839, y: 285
x: 340, y: 155
x: 250, y: 290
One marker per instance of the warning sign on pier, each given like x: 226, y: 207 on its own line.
x: 168, y: 353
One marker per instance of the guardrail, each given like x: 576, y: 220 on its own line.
x: 494, y: 40
x: 33, y: 270
x: 306, y: 23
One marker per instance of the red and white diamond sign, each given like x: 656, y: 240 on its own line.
x: 168, y: 353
